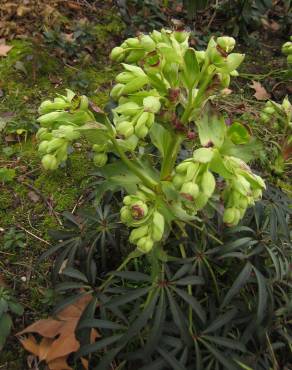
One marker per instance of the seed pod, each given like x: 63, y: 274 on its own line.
x: 49, y: 162
x: 138, y: 233
x: 190, y: 188
x: 226, y: 43
x: 192, y: 171
x: 117, y: 54
x: 208, y: 183
x: 157, y: 226
x: 229, y: 216
x: 100, y: 159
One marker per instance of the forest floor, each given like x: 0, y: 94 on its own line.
x: 57, y: 46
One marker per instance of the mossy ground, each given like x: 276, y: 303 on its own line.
x: 34, y: 201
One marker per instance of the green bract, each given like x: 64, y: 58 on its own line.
x: 161, y: 97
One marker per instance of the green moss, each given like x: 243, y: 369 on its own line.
x: 5, y: 199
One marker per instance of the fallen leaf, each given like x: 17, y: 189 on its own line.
x: 58, y: 336
x: 260, y: 92
x: 4, y: 50
x: 33, y: 196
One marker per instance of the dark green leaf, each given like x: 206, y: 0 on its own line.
x: 126, y: 298
x: 75, y: 274
x: 171, y: 360
x: 226, y: 342
x: 262, y: 295
x: 100, y: 344
x: 238, y: 283
x: 192, y: 302
x: 221, y: 320
x: 190, y: 280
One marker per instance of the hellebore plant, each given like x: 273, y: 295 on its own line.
x: 163, y: 96
x: 280, y: 116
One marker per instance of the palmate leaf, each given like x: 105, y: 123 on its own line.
x: 262, y: 295
x: 179, y: 319
x: 142, y: 319
x: 157, y: 328
x: 190, y: 280
x: 197, y: 308
x: 220, y: 321
x: 238, y: 284
x: 171, y: 360
x: 126, y: 298
x: 228, y: 363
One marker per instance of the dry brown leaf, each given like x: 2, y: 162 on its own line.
x: 4, y: 49
x: 30, y: 344
x: 260, y: 92
x: 58, y: 333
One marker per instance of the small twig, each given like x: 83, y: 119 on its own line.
x: 33, y: 235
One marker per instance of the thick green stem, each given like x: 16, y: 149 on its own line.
x: 169, y: 159
x: 147, y: 180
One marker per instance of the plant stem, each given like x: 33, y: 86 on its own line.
x: 170, y: 156
x: 147, y: 180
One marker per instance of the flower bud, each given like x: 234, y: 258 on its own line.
x: 132, y: 42
x: 269, y: 110
x: 178, y: 181
x: 83, y: 104
x: 49, y: 162
x: 55, y: 144
x: 126, y: 216
x: 190, y: 188
x: 226, y: 43
x: 99, y: 148
x: 41, y: 131
x: 125, y: 129
x: 116, y: 91
x: 43, y: 147
x: 151, y: 104
x: 201, y: 55
x: 234, y: 73
x: 135, y: 55
x: 49, y: 118
x: 157, y: 226
x: 287, y: 48
x: 141, y: 131
x: 138, y: 233
x: 100, y: 159
x: 181, y: 36
x: 147, y: 43
x: 117, y: 54
x: 145, y: 245
x: 208, y: 183
x: 128, y: 109
x: 229, y: 216
x: 125, y: 77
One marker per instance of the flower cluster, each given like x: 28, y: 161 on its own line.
x: 59, y: 123
x: 287, y: 50
x: 161, y: 96
x: 139, y: 212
